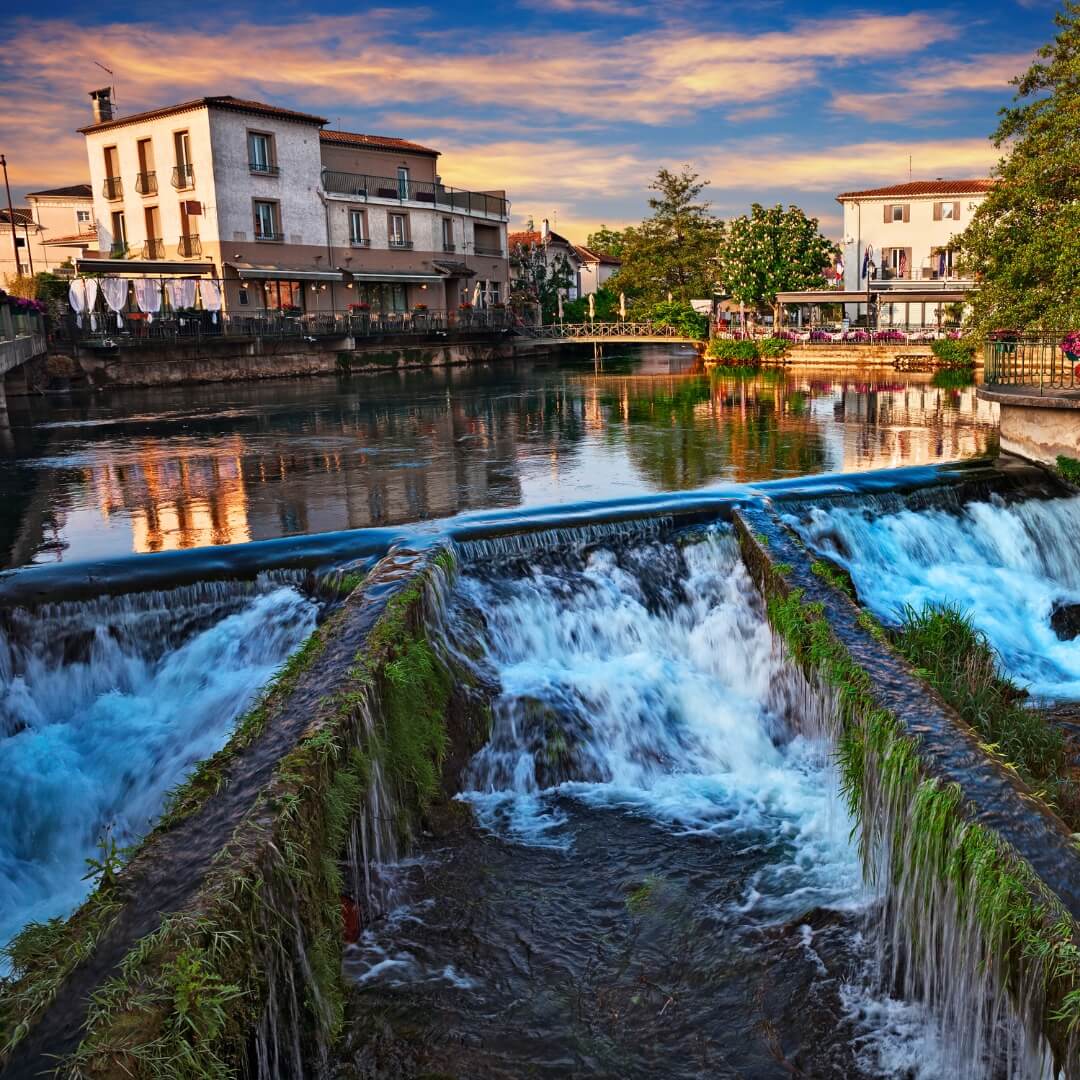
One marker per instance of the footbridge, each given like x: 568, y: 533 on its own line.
x: 616, y: 332
x: 22, y: 338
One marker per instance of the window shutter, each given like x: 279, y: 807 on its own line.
x: 888, y: 213
x: 907, y: 263
x: 937, y: 211
x: 956, y: 211
x: 907, y: 212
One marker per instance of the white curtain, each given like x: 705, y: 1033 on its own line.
x: 82, y: 295
x: 148, y: 296
x: 181, y: 294
x: 211, y: 297
x: 115, y: 291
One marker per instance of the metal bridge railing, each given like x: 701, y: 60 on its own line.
x: 1035, y: 360
x: 606, y: 330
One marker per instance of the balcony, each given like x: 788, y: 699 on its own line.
x: 113, y: 188
x: 484, y: 249
x: 363, y: 186
x: 119, y: 250
x: 269, y: 237
x: 402, y: 244
x: 449, y: 247
x: 189, y: 246
x: 360, y: 241
x: 183, y: 176
x: 153, y: 248
x: 146, y: 183
x: 259, y: 168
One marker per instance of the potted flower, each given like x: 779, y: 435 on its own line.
x: 360, y: 308
x: 419, y: 308
x: 464, y: 306
x: 1070, y: 345
x: 290, y: 309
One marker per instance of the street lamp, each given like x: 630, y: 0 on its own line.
x: 11, y: 219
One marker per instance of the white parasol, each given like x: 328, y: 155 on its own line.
x: 211, y: 297
x: 115, y: 291
x: 622, y: 306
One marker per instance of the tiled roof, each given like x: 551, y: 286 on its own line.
x: 535, y: 237
x: 84, y: 239
x: 373, y: 142
x: 222, y: 101
x: 588, y: 255
x: 923, y: 187
x: 74, y: 191
x: 22, y: 216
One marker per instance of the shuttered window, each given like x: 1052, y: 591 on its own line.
x: 897, y: 212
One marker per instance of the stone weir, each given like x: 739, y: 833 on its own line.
x: 980, y: 879
x: 216, y: 949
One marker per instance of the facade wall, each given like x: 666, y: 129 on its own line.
x: 373, y: 162
x: 53, y: 217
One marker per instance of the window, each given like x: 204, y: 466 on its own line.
x: 261, y: 153
x: 946, y: 211
x: 266, y: 221
x: 447, y: 234
x: 493, y: 292
x: 399, y: 230
x: 113, y: 189
x: 183, y: 171
x: 154, y: 247
x: 396, y: 298
x: 146, y: 181
x: 82, y: 217
x: 357, y: 230
x: 897, y: 213
x: 403, y: 182
x: 281, y: 294
x: 119, y: 233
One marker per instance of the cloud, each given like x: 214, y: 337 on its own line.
x: 621, y: 8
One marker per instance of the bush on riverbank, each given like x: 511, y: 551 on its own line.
x: 745, y: 353
x: 954, y: 352
x: 680, y: 317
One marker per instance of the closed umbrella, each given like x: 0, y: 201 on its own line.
x: 622, y: 306
x: 211, y: 297
x: 559, y: 297
x: 476, y: 295
x: 592, y: 306
x: 941, y: 263
x: 115, y: 291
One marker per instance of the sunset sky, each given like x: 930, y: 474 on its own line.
x: 571, y: 105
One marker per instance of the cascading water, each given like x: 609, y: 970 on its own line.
x: 105, y: 706
x: 663, y: 840
x: 1010, y: 565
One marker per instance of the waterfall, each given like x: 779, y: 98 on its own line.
x: 106, y: 705
x: 1010, y: 565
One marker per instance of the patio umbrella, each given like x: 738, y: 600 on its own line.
x: 559, y: 299
x: 476, y: 295
x: 622, y: 306
x: 592, y: 306
x: 211, y: 297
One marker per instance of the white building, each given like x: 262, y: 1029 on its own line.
x: 288, y: 214
x: 897, y: 246
x: 594, y: 269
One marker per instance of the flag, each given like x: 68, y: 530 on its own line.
x: 903, y: 264
x: 866, y: 261
x: 941, y: 263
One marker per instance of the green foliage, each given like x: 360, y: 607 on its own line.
x: 104, y: 869
x: 733, y: 353
x: 773, y: 250
x: 1023, y: 241
x: 200, y: 997
x: 674, y: 251
x: 954, y: 352
x: 680, y: 316
x: 833, y: 576
x: 953, y: 378
x: 538, y: 274
x: 771, y: 348
x: 605, y: 303
x: 48, y: 286
x: 1069, y: 469
x: 641, y: 897
x: 607, y: 241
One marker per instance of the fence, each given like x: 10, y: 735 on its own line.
x: 136, y: 329
x: 1035, y: 360
x: 594, y: 330
x: 886, y: 335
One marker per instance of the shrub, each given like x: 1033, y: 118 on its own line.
x: 681, y: 317
x: 772, y: 348
x: 954, y: 352
x: 734, y: 353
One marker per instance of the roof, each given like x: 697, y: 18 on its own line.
x: 374, y: 142
x: 915, y: 188
x: 588, y: 255
x: 453, y: 268
x: 23, y: 216
x: 223, y: 101
x: 74, y: 191
x: 533, y: 236
x: 84, y: 239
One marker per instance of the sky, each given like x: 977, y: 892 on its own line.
x: 570, y: 105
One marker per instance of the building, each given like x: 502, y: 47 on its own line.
x: 897, y: 245
x: 594, y: 269
x: 288, y: 214
x: 54, y: 229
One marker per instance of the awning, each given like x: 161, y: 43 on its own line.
x: 912, y: 296
x: 142, y: 267
x: 822, y: 296
x: 387, y: 277
x: 282, y: 273
x: 453, y: 268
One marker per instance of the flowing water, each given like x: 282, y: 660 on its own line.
x: 1009, y: 565
x: 105, y: 706
x: 663, y: 880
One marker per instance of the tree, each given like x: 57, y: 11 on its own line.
x: 538, y: 275
x: 607, y: 241
x: 773, y: 250
x: 1023, y: 243
x: 675, y: 249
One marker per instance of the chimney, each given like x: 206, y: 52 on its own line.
x: 545, y: 230
x: 101, y: 103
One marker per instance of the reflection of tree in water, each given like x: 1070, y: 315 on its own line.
x: 685, y: 432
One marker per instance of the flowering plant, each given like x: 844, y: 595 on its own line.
x: 361, y: 306
x: 289, y: 309
x: 24, y: 306
x: 891, y: 337
x: 861, y: 337
x: 419, y: 307
x: 1070, y: 343
x: 465, y: 306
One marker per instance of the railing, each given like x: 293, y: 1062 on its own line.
x: 275, y: 237
x: 407, y: 244
x: 22, y: 337
x: 483, y: 249
x: 360, y: 241
x: 1035, y: 360
x: 154, y: 248
x: 118, y: 251
x: 113, y: 188
x: 363, y: 186
x: 183, y: 176
x: 606, y: 330
x: 882, y: 335
x: 146, y: 183
x: 189, y: 246
x: 260, y: 169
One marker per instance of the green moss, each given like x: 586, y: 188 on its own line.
x: 833, y: 576
x: 1069, y: 469
x: 641, y: 897
x: 784, y: 568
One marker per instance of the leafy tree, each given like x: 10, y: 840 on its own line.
x: 607, y: 241
x: 537, y: 276
x: 605, y: 302
x: 680, y: 316
x: 1023, y: 243
x: 773, y: 250
x: 674, y: 250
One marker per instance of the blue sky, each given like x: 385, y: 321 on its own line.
x: 571, y: 105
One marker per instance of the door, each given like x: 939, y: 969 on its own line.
x: 403, y: 182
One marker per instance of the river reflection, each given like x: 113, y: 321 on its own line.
x: 92, y: 475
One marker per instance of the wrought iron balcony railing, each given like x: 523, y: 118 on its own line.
x: 118, y: 250
x: 360, y: 241
x: 153, y: 248
x: 113, y: 188
x: 398, y: 243
x: 363, y: 186
x: 183, y: 176
x: 264, y: 234
x: 146, y: 183
x: 260, y: 168
x: 189, y: 246
x: 483, y: 249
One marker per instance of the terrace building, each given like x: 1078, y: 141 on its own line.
x: 287, y: 214
x: 55, y: 227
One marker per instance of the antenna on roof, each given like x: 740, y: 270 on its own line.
x: 909, y: 167
x: 112, y: 75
